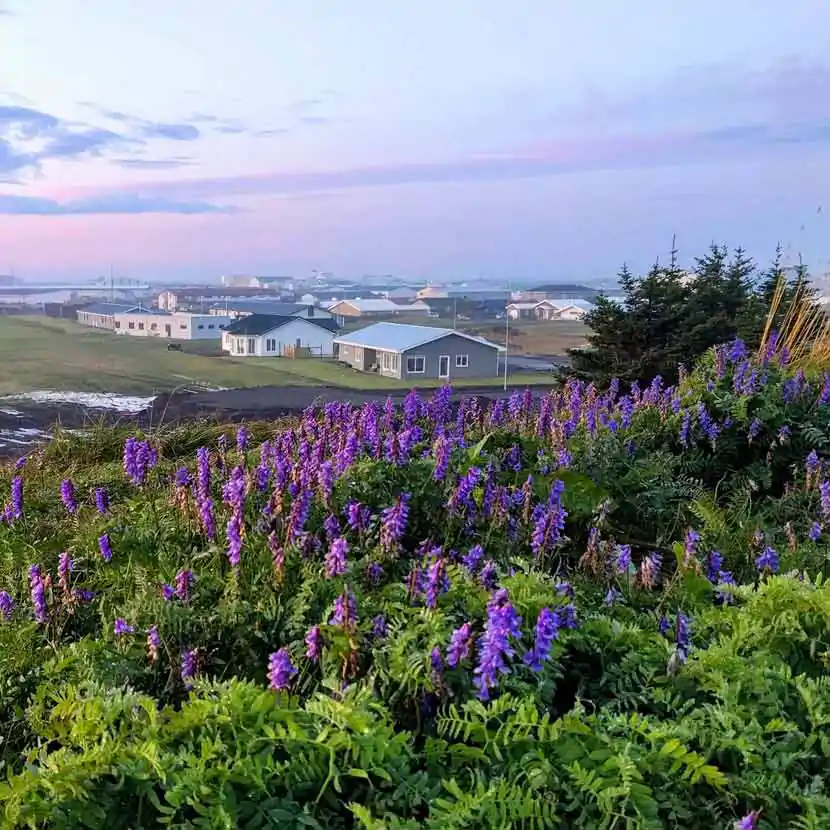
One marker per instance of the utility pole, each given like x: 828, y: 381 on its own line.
x: 506, y: 343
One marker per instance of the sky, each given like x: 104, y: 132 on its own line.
x: 463, y: 140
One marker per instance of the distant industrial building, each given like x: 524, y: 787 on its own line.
x: 269, y: 283
x: 408, y: 352
x: 171, y: 326
x: 565, y: 309
x: 376, y: 308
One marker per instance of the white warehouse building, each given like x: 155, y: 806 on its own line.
x: 170, y: 326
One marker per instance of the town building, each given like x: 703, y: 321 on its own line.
x: 376, y: 307
x: 102, y: 315
x: 271, y: 335
x: 410, y: 352
x: 244, y: 308
x: 566, y: 309
x: 178, y: 325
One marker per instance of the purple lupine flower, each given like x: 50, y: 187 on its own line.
x: 65, y: 567
x: 768, y: 560
x: 503, y: 624
x: 105, y: 547
x: 436, y: 662
x: 153, y: 643
x: 461, y: 498
x: 749, y: 821
x: 234, y: 536
x: 280, y: 670
x: 663, y: 625
x: 393, y: 522
x: 442, y: 453
x: 824, y: 495
x: 812, y: 463
x: 38, y: 593
x: 724, y: 594
x: 331, y: 527
x: 182, y: 478
x: 374, y: 573
x: 68, y: 496
x: 613, y: 597
x: 379, y: 628
x: 102, y: 499
x: 685, y: 428
x: 357, y: 516
x: 548, y: 624
x: 548, y: 521
x: 650, y: 569
x: 815, y: 531
x: 461, y: 645
x: 754, y: 429
x: 683, y: 636
x: 690, y: 545
x: 314, y: 643
x: 20, y: 463
x: 184, y: 581
x: 206, y: 516
x: 6, y: 605
x: 713, y: 566
x: 167, y: 592
x: 188, y: 672
x: 122, y: 627
x: 622, y: 558
x: 17, y: 497
x: 436, y: 582
x: 243, y: 438
x: 488, y: 575
x: 336, y: 558
x: 472, y: 558
x: 345, y: 611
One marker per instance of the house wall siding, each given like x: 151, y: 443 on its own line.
x: 482, y: 360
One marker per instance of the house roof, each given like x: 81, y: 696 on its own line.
x: 583, y: 305
x: 256, y: 325
x: 106, y: 308
x: 137, y: 309
x: 522, y: 306
x: 372, y: 305
x: 262, y: 307
x: 399, y: 337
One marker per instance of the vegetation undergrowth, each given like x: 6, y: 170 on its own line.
x: 589, y: 609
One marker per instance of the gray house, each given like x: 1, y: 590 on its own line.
x: 408, y: 352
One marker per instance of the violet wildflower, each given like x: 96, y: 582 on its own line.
x: 472, y: 558
x: 357, y: 516
x: 622, y: 558
x: 6, y: 605
x: 379, y: 628
x: 374, y: 573
x: 184, y: 581
x: 68, y: 496
x: 754, y: 429
x: 336, y: 558
x: 314, y: 643
x: 280, y: 670
x: 749, y: 821
x: 547, y: 630
x: 65, y: 567
x: 188, y: 669
x: 243, y: 438
x: 815, y: 532
x: 345, y: 611
x: 690, y: 545
x: 122, y: 627
x: 768, y: 560
x: 683, y: 636
x: 503, y: 624
x: 650, y: 569
x: 38, y: 590
x: 548, y: 521
x: 824, y: 494
x: 102, y: 500
x: 436, y: 582
x: 436, y: 662
x: 714, y: 563
x: 393, y: 522
x: 20, y: 463
x: 461, y: 644
x: 153, y: 643
x: 613, y: 597
x: 17, y: 497
x: 105, y: 547
x: 663, y: 625
x: 488, y: 575
x: 234, y: 536
x: 167, y: 592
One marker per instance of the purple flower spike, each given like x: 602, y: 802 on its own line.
x: 502, y: 626
x: 547, y: 630
x: 280, y: 670
x: 189, y: 667
x: 105, y: 547
x: 461, y: 644
x: 153, y: 643
x: 102, y: 500
x: 749, y: 821
x: 68, y: 496
x: 122, y: 627
x: 314, y: 643
x: 768, y: 561
x: 336, y: 558
x: 6, y: 605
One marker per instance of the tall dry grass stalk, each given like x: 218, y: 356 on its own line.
x: 804, y: 329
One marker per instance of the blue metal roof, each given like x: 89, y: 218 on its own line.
x: 107, y: 308
x: 399, y: 337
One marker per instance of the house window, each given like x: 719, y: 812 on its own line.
x: 462, y: 361
x: 271, y: 344
x: 239, y: 347
x: 415, y: 365
x: 211, y: 326
x: 141, y: 326
x: 200, y: 326
x: 183, y: 326
x: 153, y: 326
x: 132, y: 325
x: 118, y: 324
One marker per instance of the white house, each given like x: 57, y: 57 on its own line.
x: 270, y: 335
x: 568, y: 309
x: 170, y: 326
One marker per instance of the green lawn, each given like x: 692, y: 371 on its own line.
x: 39, y: 353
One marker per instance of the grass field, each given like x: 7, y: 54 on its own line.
x: 40, y: 353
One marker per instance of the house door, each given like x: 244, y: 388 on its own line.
x: 444, y: 366
x: 167, y: 329
x: 251, y: 345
